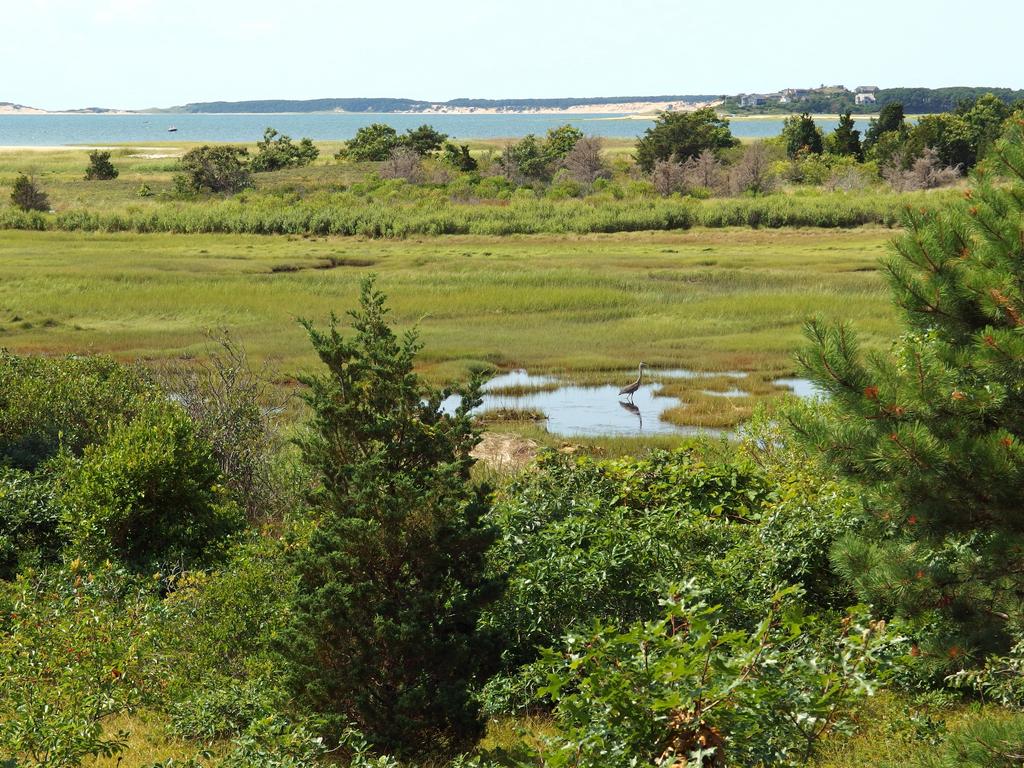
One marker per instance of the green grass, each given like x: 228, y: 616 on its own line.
x: 587, y: 307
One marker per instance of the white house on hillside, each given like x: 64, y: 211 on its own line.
x: 866, y: 94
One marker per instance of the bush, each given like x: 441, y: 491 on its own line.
x: 276, y: 151
x: 28, y: 521
x: 391, y: 583
x: 100, y: 168
x: 74, y: 649
x: 149, y: 495
x: 585, y: 541
x: 47, y: 404
x: 687, y: 689
x: 217, y: 170
x: 681, y: 135
x: 27, y: 196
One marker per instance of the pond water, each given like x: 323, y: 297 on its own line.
x: 572, y: 410
x: 801, y: 387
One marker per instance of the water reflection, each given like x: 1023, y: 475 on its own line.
x: 801, y: 387
x: 572, y: 410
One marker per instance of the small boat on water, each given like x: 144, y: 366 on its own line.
x: 172, y: 129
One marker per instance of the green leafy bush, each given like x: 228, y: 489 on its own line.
x: 276, y: 151
x: 51, y: 403
x: 218, y: 169
x: 686, y: 688
x: 586, y: 541
x: 29, y: 519
x: 75, y: 650
x: 149, y: 495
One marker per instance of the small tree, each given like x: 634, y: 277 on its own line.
x: 753, y: 171
x: 403, y: 163
x: 27, y: 196
x: 584, y: 162
x: 933, y: 429
x: 277, y: 151
x: 845, y: 140
x: 802, y: 135
x: 100, y: 168
x: 425, y: 141
x: 391, y: 583
x: 459, y: 158
x: 682, y: 135
x: 890, y: 120
x: 220, y: 170
x: 704, y: 171
x: 372, y: 143
x: 668, y: 177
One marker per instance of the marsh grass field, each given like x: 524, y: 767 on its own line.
x: 585, y: 307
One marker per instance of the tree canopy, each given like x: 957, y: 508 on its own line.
x: 682, y: 135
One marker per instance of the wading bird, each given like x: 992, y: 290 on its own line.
x: 630, y: 389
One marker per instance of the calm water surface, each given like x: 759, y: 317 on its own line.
x: 55, y: 130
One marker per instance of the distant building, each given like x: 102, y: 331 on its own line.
x: 789, y: 95
x: 756, y: 99
x: 872, y: 89
x: 865, y: 98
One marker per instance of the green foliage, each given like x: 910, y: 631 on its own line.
x: 276, y: 151
x: 996, y: 742
x: 931, y: 429
x: 27, y: 196
x: 681, y: 135
x: 376, y: 142
x: 220, y: 169
x: 845, y: 139
x: 534, y: 159
x: 28, y: 521
x: 458, y: 157
x: 890, y: 120
x: 149, y: 495
x: 425, y: 141
x: 687, y: 688
x: 47, y: 404
x: 100, y: 168
x: 801, y: 134
x: 275, y: 742
x: 74, y: 653
x: 586, y: 541
x: 391, y: 581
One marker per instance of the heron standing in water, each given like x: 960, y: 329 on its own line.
x: 630, y: 389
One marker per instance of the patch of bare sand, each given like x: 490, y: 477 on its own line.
x: 505, y: 450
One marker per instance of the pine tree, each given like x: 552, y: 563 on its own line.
x: 934, y: 428
x: 845, y: 140
x: 802, y: 134
x: 384, y: 631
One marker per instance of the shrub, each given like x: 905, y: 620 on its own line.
x: 28, y: 521
x: 27, y: 196
x: 687, y: 689
x: 391, y: 582
x: 371, y: 143
x: 218, y: 170
x: 235, y: 409
x: 403, y: 163
x: 584, y: 541
x: 459, y: 158
x: 74, y: 653
x: 51, y: 403
x: 276, y: 151
x: 148, y: 495
x: 100, y: 168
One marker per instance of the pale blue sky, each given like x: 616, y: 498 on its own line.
x: 140, y: 53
